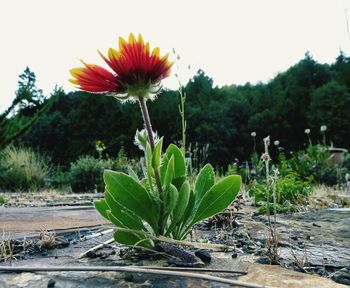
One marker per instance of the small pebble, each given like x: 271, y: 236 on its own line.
x: 203, y: 255
x: 129, y: 277
x: 51, y: 283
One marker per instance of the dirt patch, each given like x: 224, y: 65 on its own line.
x: 30, y: 221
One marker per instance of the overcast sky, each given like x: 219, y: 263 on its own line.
x: 233, y: 41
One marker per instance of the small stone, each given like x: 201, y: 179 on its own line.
x: 321, y: 271
x: 51, y: 283
x: 91, y: 254
x: 342, y: 276
x: 128, y: 277
x: 252, y: 248
x: 311, y: 238
x: 203, y: 255
x: 261, y: 251
x: 263, y: 260
x: 236, y: 223
x: 234, y: 255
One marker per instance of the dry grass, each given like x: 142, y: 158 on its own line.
x: 47, y: 239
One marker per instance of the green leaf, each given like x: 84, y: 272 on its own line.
x: 132, y: 174
x: 131, y: 195
x: 204, y: 181
x: 163, y: 166
x: 122, y: 217
x: 157, y: 153
x: 171, y: 196
x: 169, y: 174
x: 130, y: 238
x: 182, y: 202
x: 218, y: 197
x: 189, y: 209
x: 180, y: 207
x: 102, y: 207
x: 179, y: 160
x: 177, y: 182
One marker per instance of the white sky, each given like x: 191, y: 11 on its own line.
x: 233, y: 41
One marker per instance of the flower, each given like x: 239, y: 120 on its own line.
x: 253, y: 134
x: 323, y: 128
x: 307, y: 131
x: 136, y: 72
x: 276, y: 143
x: 267, y: 141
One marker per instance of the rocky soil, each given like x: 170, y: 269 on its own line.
x: 314, y: 247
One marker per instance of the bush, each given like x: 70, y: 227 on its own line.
x: 3, y: 200
x: 22, y: 169
x: 86, y: 174
x: 59, y: 178
x: 314, y: 164
x: 290, y: 191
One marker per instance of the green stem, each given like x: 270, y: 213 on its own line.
x: 183, y: 121
x: 148, y: 127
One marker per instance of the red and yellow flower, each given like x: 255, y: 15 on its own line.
x: 136, y: 72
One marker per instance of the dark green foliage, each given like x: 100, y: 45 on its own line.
x: 291, y: 190
x: 346, y: 163
x: 314, y: 164
x: 307, y: 95
x: 85, y: 174
x: 330, y: 105
x: 27, y: 107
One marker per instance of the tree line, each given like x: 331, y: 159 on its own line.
x: 307, y: 95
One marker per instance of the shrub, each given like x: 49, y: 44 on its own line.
x: 59, y: 178
x: 290, y: 191
x: 85, y: 174
x: 3, y: 200
x: 22, y: 169
x: 314, y: 163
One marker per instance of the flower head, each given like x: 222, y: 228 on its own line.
x: 253, y: 134
x: 307, y: 131
x: 267, y: 141
x: 136, y: 71
x: 276, y: 143
x: 323, y: 128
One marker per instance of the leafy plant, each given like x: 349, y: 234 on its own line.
x: 134, y: 205
x: 314, y: 164
x: 162, y: 203
x: 3, y: 200
x: 22, y: 169
x: 291, y: 191
x: 85, y: 174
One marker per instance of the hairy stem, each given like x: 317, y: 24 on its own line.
x: 148, y: 126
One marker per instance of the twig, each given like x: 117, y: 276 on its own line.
x: 130, y: 269
x: 220, y: 247
x: 87, y: 237
x: 95, y: 248
x: 194, y: 269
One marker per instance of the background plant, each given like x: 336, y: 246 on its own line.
x: 85, y: 174
x: 23, y: 169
